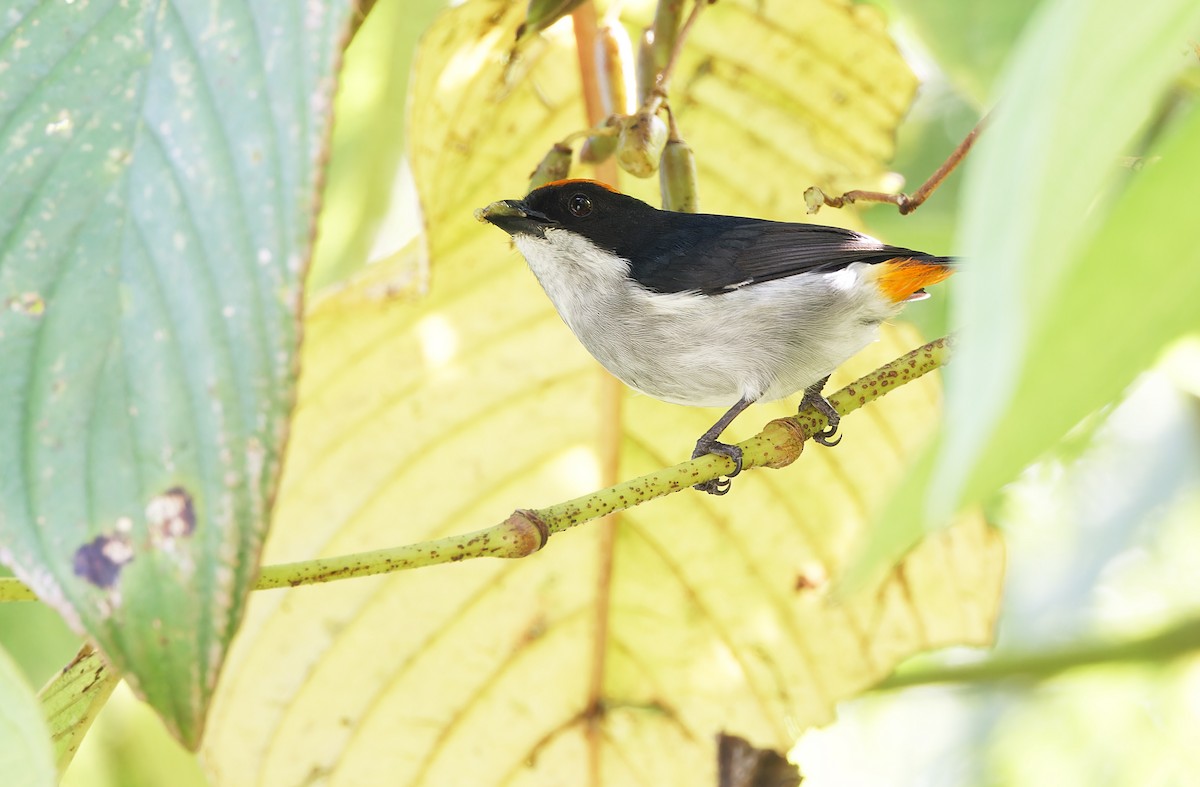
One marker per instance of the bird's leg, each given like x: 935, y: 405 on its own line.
x: 814, y: 399
x: 708, y: 444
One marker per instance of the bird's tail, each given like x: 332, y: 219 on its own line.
x: 904, y: 278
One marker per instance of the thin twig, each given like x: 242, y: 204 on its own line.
x: 664, y: 78
x: 904, y: 202
x: 662, y: 87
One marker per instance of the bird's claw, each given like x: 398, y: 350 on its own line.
x: 718, y: 486
x: 828, y: 436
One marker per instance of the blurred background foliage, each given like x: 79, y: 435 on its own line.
x: 1102, y: 534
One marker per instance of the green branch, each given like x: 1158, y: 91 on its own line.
x: 525, y: 531
x: 1179, y: 640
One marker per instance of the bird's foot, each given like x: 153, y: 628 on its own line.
x: 718, y: 486
x: 816, y: 400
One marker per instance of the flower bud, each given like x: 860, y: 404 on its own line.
x: 677, y: 178
x: 597, y: 148
x: 556, y: 165
x: 814, y: 198
x: 641, y: 143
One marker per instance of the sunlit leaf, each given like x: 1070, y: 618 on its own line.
x: 159, y: 168
x: 781, y: 90
x: 623, y: 648
x: 776, y: 87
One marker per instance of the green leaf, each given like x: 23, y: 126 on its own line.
x: 1042, y: 185
x: 72, y: 700
x: 616, y: 654
x: 1072, y: 283
x: 970, y: 39
x: 1155, y: 299
x: 26, y: 759
x: 160, y: 163
x: 368, y: 140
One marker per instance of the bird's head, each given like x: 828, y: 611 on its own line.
x: 586, y: 208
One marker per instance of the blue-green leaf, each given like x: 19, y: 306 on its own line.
x: 160, y: 162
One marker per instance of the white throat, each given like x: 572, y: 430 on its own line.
x: 575, y: 273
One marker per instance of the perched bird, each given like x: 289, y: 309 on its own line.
x: 707, y: 310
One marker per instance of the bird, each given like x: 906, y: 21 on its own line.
x: 710, y: 310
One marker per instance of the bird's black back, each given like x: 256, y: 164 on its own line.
x: 679, y: 252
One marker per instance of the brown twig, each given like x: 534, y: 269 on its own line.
x: 906, y: 203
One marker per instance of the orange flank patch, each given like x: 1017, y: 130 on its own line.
x: 901, y: 279
x: 579, y: 180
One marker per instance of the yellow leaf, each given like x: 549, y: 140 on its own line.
x: 622, y: 648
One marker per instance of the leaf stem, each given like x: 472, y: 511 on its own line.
x: 1179, y: 640
x: 525, y: 532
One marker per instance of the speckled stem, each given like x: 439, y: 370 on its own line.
x: 522, y: 534
x: 525, y: 532
x: 777, y: 445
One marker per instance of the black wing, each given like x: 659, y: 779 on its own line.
x: 715, y: 254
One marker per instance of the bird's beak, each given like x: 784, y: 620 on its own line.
x: 512, y: 216
x: 504, y: 209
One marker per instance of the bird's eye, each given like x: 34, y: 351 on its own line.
x: 579, y: 205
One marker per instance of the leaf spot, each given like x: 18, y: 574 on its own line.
x: 61, y: 126
x: 170, y: 516
x: 30, y: 303
x: 100, y: 560
x: 810, y: 578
